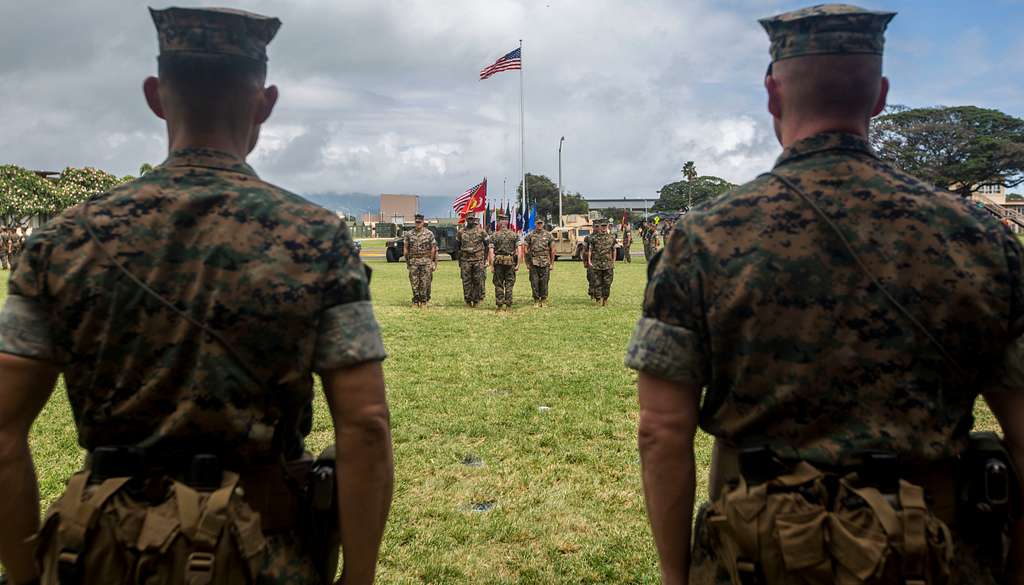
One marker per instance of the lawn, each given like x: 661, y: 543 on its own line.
x: 514, y: 435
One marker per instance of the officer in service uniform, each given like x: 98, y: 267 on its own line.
x: 421, y: 260
x: 187, y: 312
x: 539, y: 248
x: 831, y: 323
x: 473, y: 242
x: 600, y: 261
x: 505, y: 258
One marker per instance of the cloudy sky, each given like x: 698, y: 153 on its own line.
x: 383, y: 95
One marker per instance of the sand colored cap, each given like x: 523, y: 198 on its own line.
x: 472, y: 219
x: 827, y: 29
x: 502, y: 216
x: 214, y: 31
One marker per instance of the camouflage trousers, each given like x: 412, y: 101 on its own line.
x: 5, y: 261
x: 287, y: 563
x: 421, y: 276
x: 648, y: 250
x: 971, y: 565
x: 539, y: 277
x: 625, y: 252
x: 474, y: 280
x: 603, y: 282
x: 504, y: 281
x: 591, y: 292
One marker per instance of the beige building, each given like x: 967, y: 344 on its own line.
x: 399, y: 208
x: 993, y: 198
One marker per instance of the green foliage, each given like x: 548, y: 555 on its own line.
x: 145, y: 168
x: 686, y: 194
x: 25, y: 194
x: 960, y: 148
x: 544, y: 194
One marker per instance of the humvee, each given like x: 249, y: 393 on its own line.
x: 444, y: 234
x: 569, y: 242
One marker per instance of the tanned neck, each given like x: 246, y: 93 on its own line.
x: 181, y: 138
x: 791, y: 134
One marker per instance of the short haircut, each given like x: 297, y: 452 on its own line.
x: 208, y: 86
x: 830, y: 86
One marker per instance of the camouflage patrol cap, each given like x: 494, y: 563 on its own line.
x: 502, y: 216
x: 418, y: 217
x: 827, y: 29
x: 214, y: 31
x: 471, y: 219
x: 601, y: 221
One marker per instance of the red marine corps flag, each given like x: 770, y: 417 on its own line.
x: 474, y: 200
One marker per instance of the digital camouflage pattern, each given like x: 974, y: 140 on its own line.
x: 627, y: 242
x: 214, y: 31
x: 505, y: 244
x: 756, y: 300
x: 473, y: 242
x: 273, y: 274
x: 602, y: 250
x: 591, y: 289
x: 827, y: 29
x: 419, y: 257
x: 539, y: 244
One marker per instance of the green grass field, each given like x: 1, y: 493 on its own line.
x: 540, y: 396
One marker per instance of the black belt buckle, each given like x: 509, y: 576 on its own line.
x: 205, y: 472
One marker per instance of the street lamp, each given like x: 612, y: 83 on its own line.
x: 560, y: 221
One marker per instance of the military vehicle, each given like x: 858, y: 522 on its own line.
x: 444, y: 234
x: 569, y: 241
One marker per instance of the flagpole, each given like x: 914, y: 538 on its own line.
x: 522, y: 122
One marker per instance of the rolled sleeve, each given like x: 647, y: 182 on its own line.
x: 25, y: 329
x: 666, y: 351
x: 348, y: 335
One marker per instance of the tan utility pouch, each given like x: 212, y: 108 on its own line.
x: 503, y: 260
x: 100, y: 533
x: 785, y: 531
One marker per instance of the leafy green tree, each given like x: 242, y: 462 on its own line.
x: 544, y: 194
x: 690, y: 171
x: 25, y: 194
x: 958, y: 148
x: 145, y: 168
x: 687, y: 194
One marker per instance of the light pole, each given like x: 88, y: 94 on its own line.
x: 560, y: 181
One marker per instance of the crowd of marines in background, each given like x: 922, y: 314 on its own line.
x: 504, y: 251
x: 12, y: 242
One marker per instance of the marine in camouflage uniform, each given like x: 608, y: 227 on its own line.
x: 5, y: 248
x: 421, y: 260
x: 505, y: 257
x: 627, y: 241
x: 758, y: 323
x: 540, y: 257
x: 601, y: 260
x: 260, y: 289
x: 649, y: 234
x: 591, y: 290
x: 473, y: 243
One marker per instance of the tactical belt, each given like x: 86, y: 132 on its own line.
x: 937, y: 478
x: 272, y: 489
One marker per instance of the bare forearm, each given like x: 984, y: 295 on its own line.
x: 20, y: 510
x: 365, y: 484
x: 669, y: 479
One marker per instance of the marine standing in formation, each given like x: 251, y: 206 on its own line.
x: 421, y: 260
x: 473, y: 242
x: 540, y: 257
x: 187, y: 331
x: 6, y: 247
x: 505, y: 257
x: 600, y: 260
x: 627, y: 241
x: 831, y: 324
x: 649, y: 235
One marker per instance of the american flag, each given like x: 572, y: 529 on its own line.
x: 509, y: 62
x: 460, y: 202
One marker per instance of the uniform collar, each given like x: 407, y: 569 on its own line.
x: 208, y: 158
x: 825, y: 142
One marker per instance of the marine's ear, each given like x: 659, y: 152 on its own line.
x: 773, y: 88
x: 883, y: 95
x: 151, y: 89
x: 268, y: 98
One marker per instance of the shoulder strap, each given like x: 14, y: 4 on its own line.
x: 249, y: 370
x: 871, y: 276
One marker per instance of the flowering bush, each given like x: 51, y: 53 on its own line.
x: 25, y: 194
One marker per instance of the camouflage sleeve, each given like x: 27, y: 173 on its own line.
x: 668, y: 342
x: 348, y: 333
x: 24, y: 320
x: 1011, y: 377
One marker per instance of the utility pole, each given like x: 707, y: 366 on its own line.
x: 560, y: 222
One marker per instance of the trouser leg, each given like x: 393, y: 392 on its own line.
x: 428, y: 282
x: 591, y: 287
x: 535, y: 282
x: 544, y: 278
x: 479, y: 281
x: 497, y: 277
x: 412, y: 284
x: 466, y: 273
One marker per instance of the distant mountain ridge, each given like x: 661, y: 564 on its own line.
x: 360, y: 203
